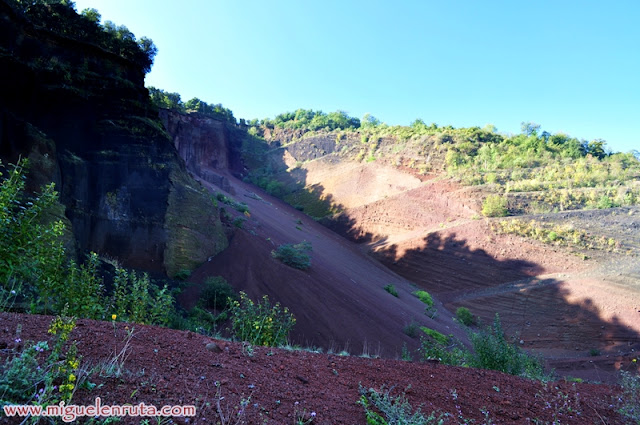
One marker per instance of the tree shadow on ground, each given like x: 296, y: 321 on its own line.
x: 538, y: 313
x: 535, y: 311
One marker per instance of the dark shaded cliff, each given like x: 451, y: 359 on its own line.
x: 210, y: 147
x: 83, y: 117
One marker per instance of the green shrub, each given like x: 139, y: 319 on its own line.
x: 452, y: 353
x: 30, y: 376
x: 391, y: 289
x: 437, y: 336
x: 295, y: 256
x: 183, y: 274
x: 275, y: 188
x: 411, y: 330
x: 390, y: 410
x: 260, y: 323
x: 425, y: 297
x: 493, y: 351
x: 491, y: 178
x: 605, y: 202
x: 629, y: 402
x: 239, y: 222
x: 34, y: 269
x: 204, y: 322
x: 238, y: 206
x: 217, y: 293
x: 494, y: 206
x: 465, y: 317
x: 30, y: 249
x: 552, y: 233
x: 82, y: 293
x: 137, y: 300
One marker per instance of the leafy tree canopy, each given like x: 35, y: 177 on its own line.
x: 166, y: 100
x: 61, y: 17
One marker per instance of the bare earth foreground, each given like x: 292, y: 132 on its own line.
x: 167, y: 367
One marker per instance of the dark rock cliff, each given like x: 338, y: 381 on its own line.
x: 83, y: 117
x: 209, y: 146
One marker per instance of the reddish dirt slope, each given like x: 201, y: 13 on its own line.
x: 581, y: 315
x: 339, y: 302
x: 166, y: 367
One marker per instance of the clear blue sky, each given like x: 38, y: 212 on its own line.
x: 570, y: 66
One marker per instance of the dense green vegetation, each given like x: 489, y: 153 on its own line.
x: 555, y: 234
x: 534, y: 171
x: 260, y: 323
x: 465, y: 317
x: 294, y: 255
x: 530, y: 172
x: 37, y: 274
x: 42, y: 372
x: 217, y: 293
x: 491, y: 350
x: 61, y: 17
x: 307, y: 119
x: 166, y: 100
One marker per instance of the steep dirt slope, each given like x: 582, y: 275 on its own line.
x: 581, y: 314
x: 427, y: 229
x: 339, y: 302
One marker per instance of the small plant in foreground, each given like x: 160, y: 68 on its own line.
x: 30, y: 376
x: 629, y: 400
x: 114, y: 366
x: 391, y: 289
x: 301, y: 416
x: 381, y: 408
x: 228, y: 415
x: 137, y: 300
x: 260, y: 323
x: 493, y: 351
x: 563, y: 406
x: 296, y: 256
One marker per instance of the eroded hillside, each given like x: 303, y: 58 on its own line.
x: 567, y: 288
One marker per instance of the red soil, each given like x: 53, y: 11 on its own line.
x: 166, y: 367
x: 557, y: 304
x: 339, y: 302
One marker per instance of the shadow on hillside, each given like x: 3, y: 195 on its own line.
x: 446, y: 265
x: 276, y: 171
x: 536, y: 311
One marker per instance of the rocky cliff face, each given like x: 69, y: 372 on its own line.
x: 83, y: 117
x: 209, y: 146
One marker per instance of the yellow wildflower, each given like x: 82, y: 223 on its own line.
x: 113, y: 316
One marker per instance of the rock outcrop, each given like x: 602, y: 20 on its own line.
x: 210, y: 147
x: 83, y: 117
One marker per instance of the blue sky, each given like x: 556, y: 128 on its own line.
x: 570, y: 66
